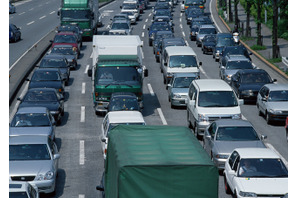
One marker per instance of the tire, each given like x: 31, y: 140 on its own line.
x: 150, y: 43
x: 268, y: 120
x: 188, y: 120
x: 226, y: 185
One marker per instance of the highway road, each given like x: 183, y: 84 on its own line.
x: 81, y: 162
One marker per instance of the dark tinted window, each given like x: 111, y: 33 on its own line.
x: 28, y: 152
x: 53, y: 63
x: 236, y: 134
x: 278, y: 96
x: 31, y: 119
x: 255, y: 78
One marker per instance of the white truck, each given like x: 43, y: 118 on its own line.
x: 117, y: 67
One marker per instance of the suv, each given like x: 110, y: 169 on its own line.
x: 231, y: 64
x: 209, y: 100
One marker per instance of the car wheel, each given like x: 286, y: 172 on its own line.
x: 267, y: 118
x: 150, y: 43
x: 188, y: 120
x: 227, y: 187
x: 259, y: 111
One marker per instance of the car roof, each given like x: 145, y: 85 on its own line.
x: 31, y: 110
x: 212, y: 85
x: 28, y: 139
x: 256, y: 153
x: 125, y: 117
x: 164, y: 32
x: 232, y: 122
x: 180, y: 50
x: 276, y: 87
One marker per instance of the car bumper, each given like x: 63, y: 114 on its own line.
x: 201, y: 127
x: 207, y: 49
x: 178, y: 102
x: 278, y: 117
x: 101, y: 107
x: 219, y: 163
x: 47, y: 186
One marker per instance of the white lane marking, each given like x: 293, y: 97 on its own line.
x: 81, y: 152
x: 108, y: 11
x: 42, y: 17
x: 272, y: 148
x: 149, y: 86
x: 181, y: 14
x: 91, y: 55
x: 83, y: 88
x: 142, y: 34
x: 162, y: 116
x: 186, y: 42
x: 144, y: 27
x: 203, y: 72
x: 213, y: 18
x: 107, y: 5
x: 81, y: 196
x: 184, y: 34
x: 87, y: 68
x: 22, y: 13
x: 150, y: 14
x: 52, y: 12
x: 146, y: 20
x: 31, y: 23
x: 180, y: 20
x: 82, y: 114
x: 242, y: 116
x: 181, y: 26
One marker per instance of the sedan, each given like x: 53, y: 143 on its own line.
x: 57, y: 61
x: 69, y: 52
x: 272, y: 102
x: 255, y: 172
x: 34, y: 159
x: 247, y: 83
x: 208, y: 43
x: 72, y: 28
x: 33, y: 121
x: 45, y: 97
x: 47, y: 78
x: 14, y: 33
x: 120, y: 101
x: 157, y: 26
x: 66, y: 38
x: 223, y: 136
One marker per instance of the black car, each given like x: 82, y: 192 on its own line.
x: 45, y: 97
x: 123, y: 102
x: 235, y: 50
x: 194, y: 13
x: 161, y: 6
x: 201, y: 21
x: 74, y: 29
x: 57, y: 61
x: 247, y: 83
x: 14, y: 33
x: 47, y: 78
x: 193, y: 32
x: 162, y: 12
x: 222, y: 40
x: 155, y: 27
x: 208, y: 43
x: 69, y: 52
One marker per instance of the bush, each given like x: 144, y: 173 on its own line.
x: 258, y: 47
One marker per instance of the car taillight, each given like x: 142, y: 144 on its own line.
x: 158, y: 53
x: 96, y: 94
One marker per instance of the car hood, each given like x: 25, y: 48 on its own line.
x: 48, y: 130
x: 254, y: 86
x: 30, y: 167
x: 264, y: 186
x: 219, y: 111
x: 209, y: 43
x: 52, y: 106
x: 230, y: 71
x: 182, y: 70
x: 278, y: 105
x: 72, y: 44
x: 45, y: 84
x: 120, y: 31
x: 226, y: 147
x: 181, y: 91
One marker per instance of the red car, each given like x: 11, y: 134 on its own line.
x: 68, y: 38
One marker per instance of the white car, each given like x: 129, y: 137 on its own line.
x: 255, y: 172
x: 114, y: 118
x: 23, y: 189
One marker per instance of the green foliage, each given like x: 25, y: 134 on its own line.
x: 275, y: 60
x: 258, y: 47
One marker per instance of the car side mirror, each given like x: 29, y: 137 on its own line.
x: 240, y: 101
x: 121, y: 7
x: 207, y: 135
x: 263, y: 137
x: 200, y: 63
x: 100, y: 188
x: 192, y: 103
x: 264, y: 99
x: 231, y: 172
x: 58, y: 13
x: 57, y: 156
x: 148, y: 28
x: 165, y: 64
x: 27, y: 79
x: 274, y: 80
x: 168, y: 85
x: 145, y: 73
x: 103, y: 140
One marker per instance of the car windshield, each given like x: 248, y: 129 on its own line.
x: 30, y: 120
x: 162, y: 36
x: 163, y: 13
x: 239, y: 65
x: 236, y: 134
x: 276, y: 96
x: 118, y: 76
x: 255, y: 78
x: 53, y: 63
x: 28, y: 152
x: 42, y: 96
x: 63, y: 50
x: 78, y: 15
x: 123, y: 103
x: 160, y: 27
x: 182, y: 82
x: 207, y: 31
x: 65, y: 39
x: 129, y: 6
x: 18, y: 195
x: 183, y: 61
x: 46, y: 76
x: 217, y: 99
x: 225, y: 41
x: 262, y: 168
x: 111, y: 126
x: 120, y: 26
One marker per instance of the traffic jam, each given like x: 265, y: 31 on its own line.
x: 172, y: 106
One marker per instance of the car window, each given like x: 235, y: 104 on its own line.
x: 212, y: 129
x: 278, y: 96
x: 105, y: 125
x: 232, y: 158
x: 191, y: 91
x: 24, y: 152
x: 237, y: 133
x: 217, y: 99
x: 235, y: 166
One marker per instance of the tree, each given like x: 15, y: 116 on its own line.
x: 230, y: 11
x: 275, y: 50
x: 248, y: 15
x: 236, y: 12
x: 259, y: 21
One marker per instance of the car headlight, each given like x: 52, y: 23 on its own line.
x: 236, y: 116
x: 221, y: 156
x: 247, y: 194
x: 54, y: 112
x: 228, y: 77
x: 47, y: 176
x: 169, y: 75
x: 274, y: 111
x: 86, y: 30
x: 202, y: 118
x: 190, y: 18
x: 176, y: 95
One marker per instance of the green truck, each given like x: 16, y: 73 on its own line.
x: 157, y: 161
x: 84, y: 13
x: 117, y: 67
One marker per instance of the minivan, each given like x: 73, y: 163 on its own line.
x: 209, y: 100
x: 179, y: 59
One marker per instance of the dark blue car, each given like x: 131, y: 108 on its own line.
x: 157, y: 26
x: 14, y: 33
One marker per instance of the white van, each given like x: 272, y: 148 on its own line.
x: 209, y: 100
x: 179, y: 59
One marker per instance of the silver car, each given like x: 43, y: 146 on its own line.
x: 33, y: 121
x: 22, y: 190
x: 272, y: 102
x: 222, y: 136
x: 34, y: 158
x: 178, y: 88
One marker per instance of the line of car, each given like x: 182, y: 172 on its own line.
x: 33, y: 154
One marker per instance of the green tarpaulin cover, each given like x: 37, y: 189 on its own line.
x: 158, y: 162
